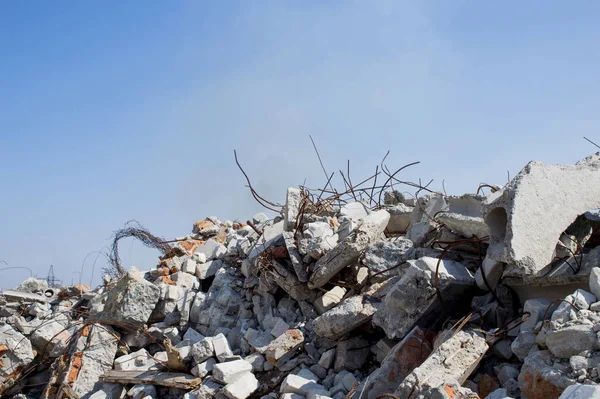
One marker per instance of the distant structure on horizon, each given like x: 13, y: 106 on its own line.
x: 52, y: 280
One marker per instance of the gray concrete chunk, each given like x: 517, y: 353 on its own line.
x: 349, y: 250
x: 347, y: 316
x: 131, y: 300
x: 528, y: 216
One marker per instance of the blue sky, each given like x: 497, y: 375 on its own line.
x: 112, y: 111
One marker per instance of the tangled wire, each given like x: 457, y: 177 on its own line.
x: 136, y: 230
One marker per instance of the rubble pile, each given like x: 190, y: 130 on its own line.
x: 440, y: 296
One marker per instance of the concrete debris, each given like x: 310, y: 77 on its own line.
x: 528, y: 216
x: 132, y: 300
x: 350, y: 249
x: 455, y: 359
x: 433, y: 297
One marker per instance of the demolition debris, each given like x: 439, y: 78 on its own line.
x: 353, y: 293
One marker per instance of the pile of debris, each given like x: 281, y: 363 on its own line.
x: 433, y: 297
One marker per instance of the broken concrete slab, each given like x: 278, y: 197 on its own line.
x: 571, y: 340
x: 140, y: 360
x: 79, y: 371
x: 528, y: 216
x: 534, y: 311
x: 295, y: 257
x: 299, y: 385
x: 293, y: 201
x: 208, y: 269
x: 228, y: 372
x: 21, y: 296
x: 212, y: 249
x: 455, y: 359
x: 349, y: 250
x: 493, y: 272
x: 407, y: 355
x: 539, y: 379
x: 580, y: 391
x: 400, y: 217
x: 413, y: 297
x: 242, y: 387
x: 221, y: 347
x: 284, y: 347
x: 131, y: 300
x: 344, y: 318
x: 329, y: 299
x: 15, y: 352
x: 289, y: 282
x: 383, y: 257
x: 465, y: 216
x: 422, y: 222
x: 50, y: 338
x: 162, y: 378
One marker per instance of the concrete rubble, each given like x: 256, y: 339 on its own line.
x: 474, y: 296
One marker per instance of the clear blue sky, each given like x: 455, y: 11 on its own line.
x: 111, y: 111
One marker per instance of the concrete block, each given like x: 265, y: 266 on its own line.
x: 385, y: 255
x: 142, y: 392
x: 86, y: 367
x: 571, y: 340
x: 50, y: 338
x: 257, y: 361
x: 284, y: 347
x: 455, y: 359
x: 329, y: 299
x: 299, y: 385
x: 297, y: 263
x: 528, y: 215
x: 140, y: 360
x: 499, y: 393
x: 355, y: 210
x: 421, y: 218
x: 352, y: 313
x: 189, y: 266
x: 279, y: 328
x: 228, y: 372
x: 131, y: 300
x: 258, y: 340
x: 209, y: 389
x: 536, y: 308
x: 221, y: 347
x: 293, y: 200
x: 522, y: 345
x: 539, y: 379
x: 349, y: 250
x: 580, y: 298
x: 407, y: 355
x: 208, y: 269
x: 493, y: 272
x: 581, y: 392
x: 212, y: 249
x: 327, y: 358
x: 400, y: 216
x: 242, y: 387
x: 201, y: 370
x: 105, y: 390
x: 309, y: 375
x: 413, y: 299
x: 595, y: 281
x: 17, y: 351
x: 203, y: 350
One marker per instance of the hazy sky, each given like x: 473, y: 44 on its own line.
x: 112, y: 111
